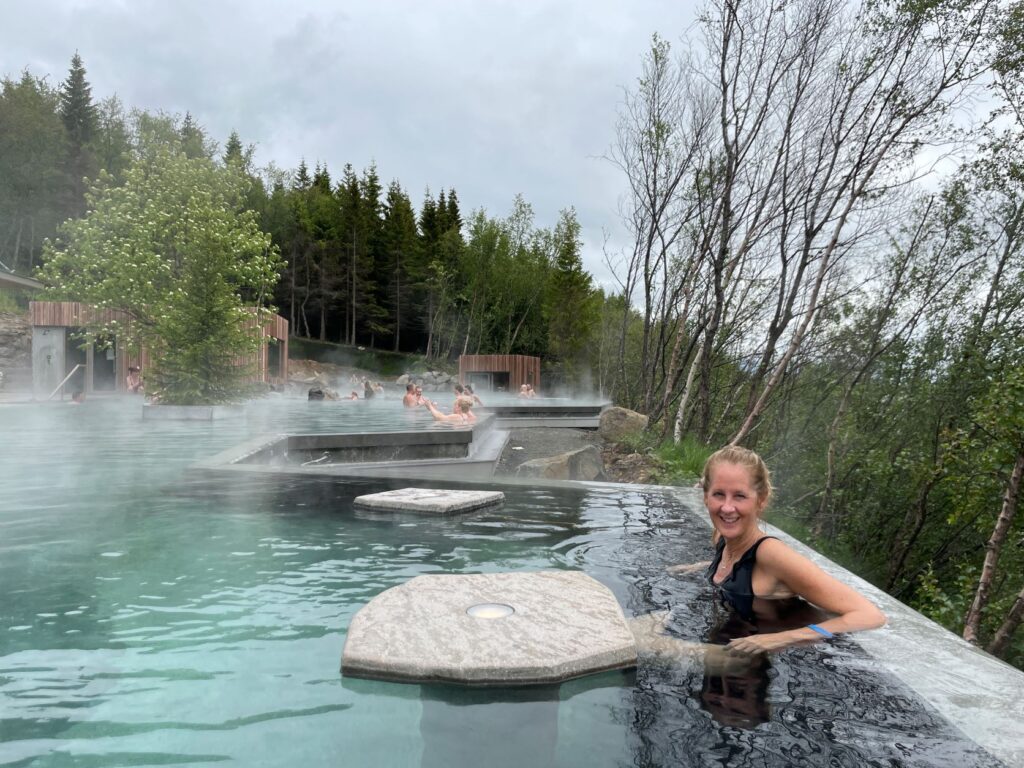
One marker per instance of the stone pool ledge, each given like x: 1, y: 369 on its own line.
x: 550, y: 414
x: 981, y: 695
x: 415, y: 454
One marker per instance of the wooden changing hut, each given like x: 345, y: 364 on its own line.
x: 499, y: 373
x: 56, y: 351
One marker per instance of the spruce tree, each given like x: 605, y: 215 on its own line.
x: 233, y: 150
x: 193, y: 138
x: 373, y: 263
x: 400, y: 247
x: 452, y: 215
x: 78, y: 113
x: 76, y: 106
x: 302, y: 180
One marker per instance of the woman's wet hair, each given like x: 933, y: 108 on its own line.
x: 760, y: 477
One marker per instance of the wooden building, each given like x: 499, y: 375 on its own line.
x: 57, y: 350
x: 499, y: 373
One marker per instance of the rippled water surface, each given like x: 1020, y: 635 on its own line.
x: 150, y: 620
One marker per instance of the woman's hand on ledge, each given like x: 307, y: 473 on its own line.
x: 687, y: 568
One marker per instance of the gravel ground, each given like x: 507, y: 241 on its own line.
x: 541, y: 442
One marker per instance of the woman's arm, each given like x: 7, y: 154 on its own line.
x: 854, y: 612
x: 685, y: 568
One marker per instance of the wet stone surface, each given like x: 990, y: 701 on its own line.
x: 540, y: 627
x: 430, y: 500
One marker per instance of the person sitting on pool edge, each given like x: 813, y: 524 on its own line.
x: 750, y: 566
x: 463, y: 415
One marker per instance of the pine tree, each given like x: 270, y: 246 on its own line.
x: 374, y: 262
x: 233, y: 150
x: 399, y: 251
x: 33, y: 163
x: 193, y: 138
x: 452, y: 215
x: 76, y: 107
x: 350, y: 203
x: 78, y: 114
x: 571, y: 306
x: 302, y: 180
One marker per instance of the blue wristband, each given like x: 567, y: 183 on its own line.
x: 820, y: 630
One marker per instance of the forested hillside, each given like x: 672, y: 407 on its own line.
x: 364, y: 265
x: 827, y: 203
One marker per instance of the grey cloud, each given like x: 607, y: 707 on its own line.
x: 493, y: 98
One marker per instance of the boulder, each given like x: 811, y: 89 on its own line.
x: 581, y: 464
x: 402, y: 380
x: 617, y: 423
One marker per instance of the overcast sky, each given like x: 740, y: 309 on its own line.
x: 491, y: 98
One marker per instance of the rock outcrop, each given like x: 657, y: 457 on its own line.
x: 582, y: 464
x: 618, y: 423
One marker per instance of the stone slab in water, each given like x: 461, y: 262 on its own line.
x: 565, y: 624
x: 430, y: 500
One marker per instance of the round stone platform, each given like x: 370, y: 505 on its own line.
x: 459, y: 629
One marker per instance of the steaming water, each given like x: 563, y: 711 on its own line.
x: 150, y: 620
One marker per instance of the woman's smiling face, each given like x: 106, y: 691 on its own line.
x: 731, y: 500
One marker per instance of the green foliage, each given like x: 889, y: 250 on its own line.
x: 12, y: 303
x: 570, y: 307
x: 33, y: 174
x: 682, y: 463
x: 171, y: 248
x: 76, y: 106
x: 384, y: 362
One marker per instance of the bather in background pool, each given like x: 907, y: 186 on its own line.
x: 149, y: 619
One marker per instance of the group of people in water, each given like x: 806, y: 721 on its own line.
x: 462, y: 409
x: 461, y: 413
x: 526, y: 391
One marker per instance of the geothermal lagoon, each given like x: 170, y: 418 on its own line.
x: 157, y: 615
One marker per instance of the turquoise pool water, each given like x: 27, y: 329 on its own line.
x: 147, y: 619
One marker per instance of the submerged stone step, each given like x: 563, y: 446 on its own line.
x: 490, y: 629
x: 430, y: 500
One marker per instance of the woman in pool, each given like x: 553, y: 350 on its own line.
x: 463, y: 415
x: 758, y: 576
x: 471, y: 394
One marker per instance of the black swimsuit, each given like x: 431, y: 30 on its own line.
x: 737, y: 588
x: 748, y: 613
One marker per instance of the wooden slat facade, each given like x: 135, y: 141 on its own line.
x: 73, y: 314
x: 521, y: 369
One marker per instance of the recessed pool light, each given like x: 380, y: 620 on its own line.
x: 490, y: 610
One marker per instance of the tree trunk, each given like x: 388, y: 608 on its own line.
x: 1005, y: 633
x: 398, y: 300
x: 972, y: 623
x: 684, y: 399
x: 352, y: 272
x: 17, y: 247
